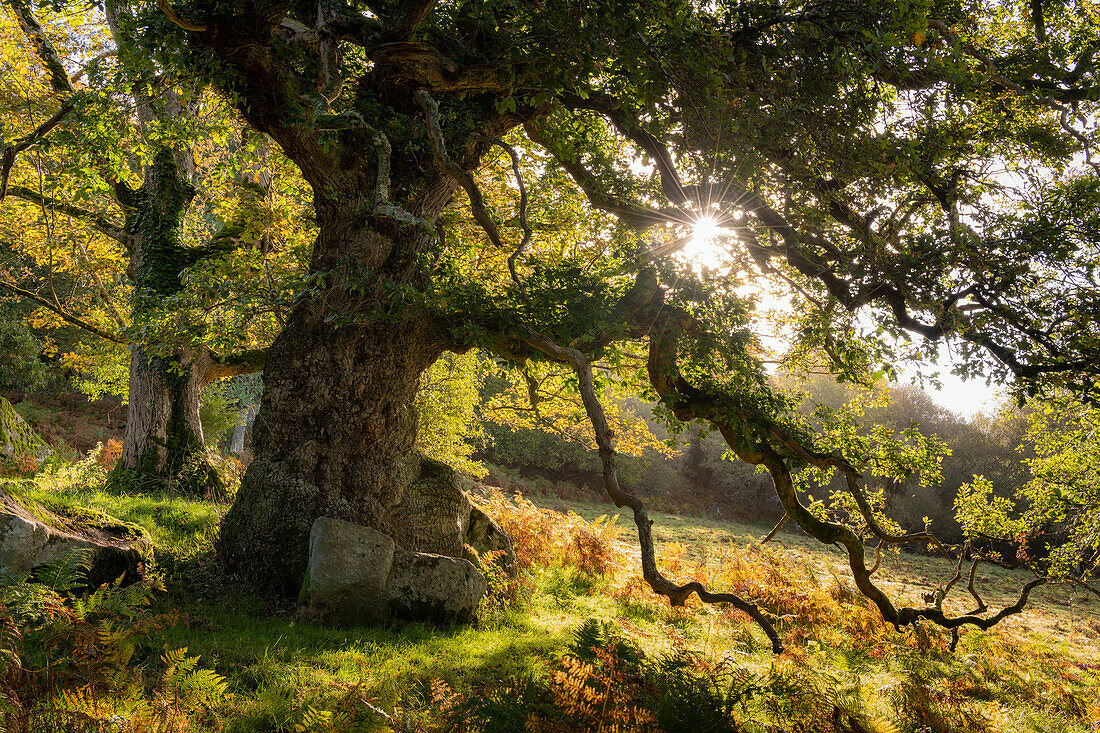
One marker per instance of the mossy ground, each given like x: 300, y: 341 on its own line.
x: 287, y: 672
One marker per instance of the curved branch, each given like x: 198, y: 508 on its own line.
x: 756, y: 447
x: 170, y: 13
x: 676, y: 594
x: 627, y: 124
x: 527, y: 233
x: 448, y: 166
x: 64, y: 314
x: 631, y: 213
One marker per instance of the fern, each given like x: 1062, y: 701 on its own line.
x: 589, y: 636
x: 188, y: 687
x: 69, y: 573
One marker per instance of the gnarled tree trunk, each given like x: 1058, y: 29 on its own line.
x: 336, y: 429
x: 163, y: 444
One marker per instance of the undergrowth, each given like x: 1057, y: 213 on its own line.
x: 83, y: 662
x: 574, y: 641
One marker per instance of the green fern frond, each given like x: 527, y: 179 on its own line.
x: 69, y: 572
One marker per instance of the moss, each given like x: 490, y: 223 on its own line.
x: 74, y: 519
x: 21, y: 449
x: 189, y: 469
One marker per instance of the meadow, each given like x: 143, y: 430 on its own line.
x: 576, y: 642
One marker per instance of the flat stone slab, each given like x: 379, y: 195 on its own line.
x: 358, y: 573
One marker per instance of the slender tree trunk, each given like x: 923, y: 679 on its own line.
x: 244, y: 422
x: 163, y: 445
x: 337, y: 424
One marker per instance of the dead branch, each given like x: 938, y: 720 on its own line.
x: 776, y: 528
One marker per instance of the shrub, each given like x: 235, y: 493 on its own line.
x: 546, y: 537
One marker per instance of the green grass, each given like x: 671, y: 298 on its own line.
x: 285, y: 669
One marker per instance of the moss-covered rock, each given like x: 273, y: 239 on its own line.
x: 21, y: 449
x: 32, y: 536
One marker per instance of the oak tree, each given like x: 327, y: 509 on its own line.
x: 903, y: 173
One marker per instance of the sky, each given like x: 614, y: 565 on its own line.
x: 966, y: 398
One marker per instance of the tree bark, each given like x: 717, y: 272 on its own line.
x: 163, y: 442
x: 163, y: 446
x: 337, y: 424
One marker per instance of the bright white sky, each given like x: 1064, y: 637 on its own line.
x: 965, y: 398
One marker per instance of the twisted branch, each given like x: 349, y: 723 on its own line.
x: 522, y: 208
x: 677, y: 594
x: 451, y: 168
x: 758, y: 447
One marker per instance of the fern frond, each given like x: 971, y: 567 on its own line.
x: 69, y: 572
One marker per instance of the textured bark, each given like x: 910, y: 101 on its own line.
x: 336, y: 430
x: 163, y: 438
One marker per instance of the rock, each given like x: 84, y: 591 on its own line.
x: 348, y: 566
x: 433, y: 587
x: 433, y: 512
x: 31, y: 536
x: 21, y: 449
x: 486, y: 536
x: 357, y: 573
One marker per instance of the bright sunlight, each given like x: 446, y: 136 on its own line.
x: 701, y: 247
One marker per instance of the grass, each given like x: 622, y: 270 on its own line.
x: 287, y: 672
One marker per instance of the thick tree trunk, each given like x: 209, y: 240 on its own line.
x: 334, y: 437
x: 163, y: 440
x: 336, y: 429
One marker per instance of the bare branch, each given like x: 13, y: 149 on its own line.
x: 776, y: 528
x: 677, y: 594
